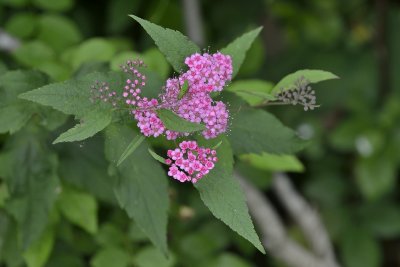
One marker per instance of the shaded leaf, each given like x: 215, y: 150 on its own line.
x: 175, y: 123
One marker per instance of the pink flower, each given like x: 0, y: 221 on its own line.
x: 207, y: 73
x: 190, y: 162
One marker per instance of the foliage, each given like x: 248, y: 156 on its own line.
x: 80, y: 186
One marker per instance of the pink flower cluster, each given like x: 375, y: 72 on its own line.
x: 207, y: 73
x: 189, y: 162
x: 143, y: 109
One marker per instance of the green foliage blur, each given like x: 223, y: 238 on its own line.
x: 348, y: 172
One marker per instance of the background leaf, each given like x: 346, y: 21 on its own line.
x: 270, y: 162
x: 79, y: 208
x: 15, y: 113
x: 375, y: 176
x: 33, y: 189
x: 39, y: 252
x: 367, y: 252
x: 149, y: 257
x: 115, y: 257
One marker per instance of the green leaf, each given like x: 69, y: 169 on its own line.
x: 359, y: 249
x: 3, y: 197
x: 156, y: 156
x: 122, y: 57
x: 313, y: 76
x: 217, y: 145
x: 256, y: 131
x: 34, y: 54
x: 39, y: 252
x: 229, y: 260
x: 3, y: 68
x: 382, y: 218
x: 80, y: 208
x: 175, y: 123
x: 13, y: 118
x: 110, y: 235
x: 173, y: 44
x: 15, y: 3
x: 131, y: 148
x: 184, y: 90
x: 222, y: 194
x: 93, y: 50
x: 238, y: 48
x: 91, y: 123
x: 150, y: 257
x: 375, y: 176
x: 10, y: 252
x: 111, y: 256
x: 84, y: 166
x: 33, y: 188
x: 15, y: 113
x: 141, y: 185
x: 72, y: 97
x: 156, y: 61
x: 253, y: 92
x: 22, y: 25
x: 270, y: 162
x: 59, y: 5
x: 59, y: 32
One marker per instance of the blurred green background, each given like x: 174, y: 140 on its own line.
x: 351, y: 167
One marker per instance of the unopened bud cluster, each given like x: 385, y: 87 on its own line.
x: 100, y: 91
x: 300, y: 94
